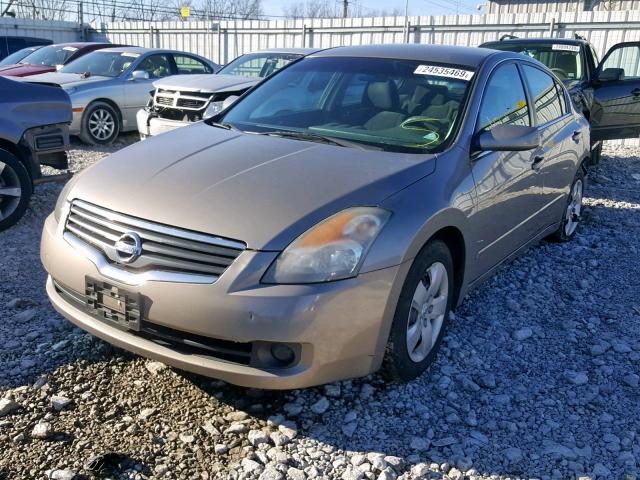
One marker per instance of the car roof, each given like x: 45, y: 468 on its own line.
x: 529, y: 41
x: 77, y: 44
x: 301, y: 51
x: 143, y: 50
x: 446, y: 54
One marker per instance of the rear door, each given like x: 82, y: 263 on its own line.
x: 616, y: 104
x: 559, y: 135
x: 508, y: 187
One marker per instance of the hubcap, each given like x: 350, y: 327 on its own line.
x: 101, y: 124
x: 426, y: 315
x: 10, y: 190
x: 573, y: 209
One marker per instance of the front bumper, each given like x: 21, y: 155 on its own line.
x: 340, y: 327
x: 149, y: 125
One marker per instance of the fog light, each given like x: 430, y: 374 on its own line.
x: 282, y: 353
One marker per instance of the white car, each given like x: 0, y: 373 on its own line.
x: 179, y: 100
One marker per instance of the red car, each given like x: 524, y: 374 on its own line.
x: 47, y: 59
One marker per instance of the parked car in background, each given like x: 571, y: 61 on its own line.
x: 34, y: 131
x: 179, y: 100
x: 109, y: 86
x: 607, y: 92
x: 282, y: 244
x: 50, y: 58
x: 10, y: 44
x: 15, y: 57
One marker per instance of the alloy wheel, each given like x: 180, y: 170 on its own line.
x: 574, y: 209
x: 426, y: 315
x: 101, y: 124
x: 10, y: 190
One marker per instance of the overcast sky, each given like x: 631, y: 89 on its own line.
x: 416, y: 7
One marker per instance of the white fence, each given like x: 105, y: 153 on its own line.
x: 56, y: 31
x: 222, y: 41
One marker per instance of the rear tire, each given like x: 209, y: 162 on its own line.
x: 422, y: 314
x: 100, y: 124
x: 573, y: 210
x: 15, y: 189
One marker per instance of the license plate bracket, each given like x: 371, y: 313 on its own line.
x: 113, y: 305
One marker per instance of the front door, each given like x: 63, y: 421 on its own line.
x: 508, y: 184
x: 616, y: 104
x: 136, y: 94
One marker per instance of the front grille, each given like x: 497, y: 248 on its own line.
x: 191, y: 103
x: 167, y: 101
x: 182, y: 100
x: 183, y: 342
x: 163, y: 248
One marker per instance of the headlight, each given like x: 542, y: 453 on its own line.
x: 212, y: 109
x: 62, y: 198
x: 332, y: 250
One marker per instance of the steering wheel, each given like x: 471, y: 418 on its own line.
x: 560, y: 73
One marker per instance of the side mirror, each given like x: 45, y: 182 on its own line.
x: 139, y: 75
x: 508, y: 138
x: 611, y: 75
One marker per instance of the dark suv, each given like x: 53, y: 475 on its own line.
x: 34, y: 131
x: 607, y: 92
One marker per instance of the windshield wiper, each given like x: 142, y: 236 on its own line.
x: 315, y: 137
x: 226, y: 126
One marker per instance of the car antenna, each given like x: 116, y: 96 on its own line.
x: 507, y: 36
x: 579, y: 37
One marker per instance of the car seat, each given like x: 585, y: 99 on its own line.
x: 383, y: 97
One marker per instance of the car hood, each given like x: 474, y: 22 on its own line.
x: 262, y: 190
x: 206, y: 83
x: 23, y: 70
x: 66, y: 79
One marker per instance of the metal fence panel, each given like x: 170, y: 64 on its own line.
x: 56, y: 31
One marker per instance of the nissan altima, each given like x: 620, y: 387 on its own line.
x: 325, y: 224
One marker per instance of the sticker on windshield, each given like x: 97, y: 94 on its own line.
x: 444, y: 72
x: 70, y: 49
x: 127, y: 54
x: 565, y: 48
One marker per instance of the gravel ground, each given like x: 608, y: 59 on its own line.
x: 538, y: 378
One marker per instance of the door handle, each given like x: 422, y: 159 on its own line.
x: 576, y: 135
x: 537, y: 162
x: 635, y: 92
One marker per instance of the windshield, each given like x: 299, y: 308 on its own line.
x: 17, y: 56
x: 258, y: 64
x: 50, y: 56
x: 395, y: 105
x: 101, y: 63
x: 563, y: 60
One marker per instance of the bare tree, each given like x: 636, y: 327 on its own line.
x: 311, y: 9
x: 43, y: 9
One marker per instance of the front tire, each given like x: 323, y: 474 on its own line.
x: 100, y: 124
x: 15, y: 189
x: 572, y: 211
x: 422, y: 313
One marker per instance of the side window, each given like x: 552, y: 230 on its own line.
x: 354, y: 91
x: 625, y: 59
x: 157, y: 66
x: 189, y: 65
x: 504, y: 100
x: 545, y: 95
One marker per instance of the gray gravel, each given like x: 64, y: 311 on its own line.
x: 538, y: 378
